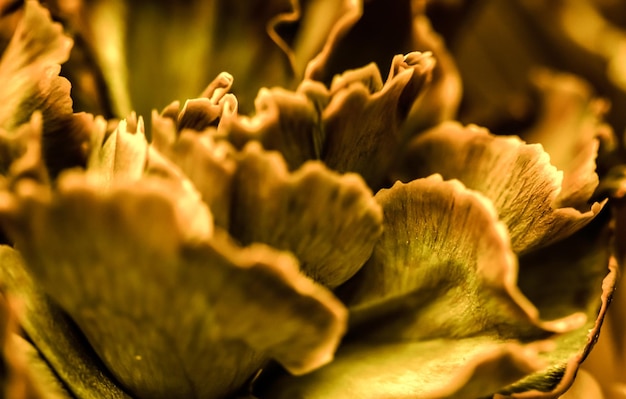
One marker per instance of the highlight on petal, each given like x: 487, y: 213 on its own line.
x: 29, y: 69
x: 121, y: 155
x: 329, y: 221
x: 517, y: 177
x: 118, y: 263
x: 55, y: 336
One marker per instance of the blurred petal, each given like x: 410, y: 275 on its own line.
x: 24, y: 374
x: 442, y: 96
x: 585, y: 386
x: 122, y: 156
x: 329, y: 221
x: 118, y: 263
x: 337, y: 18
x: 517, y: 177
x: 24, y: 150
x: 29, y: 70
x: 207, y: 163
x: 220, y: 36
x: 570, y: 128
x: 54, y: 335
x: 11, y: 13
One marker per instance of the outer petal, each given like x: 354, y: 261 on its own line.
x: 458, y: 369
x: 517, y: 177
x: 55, y: 335
x: 441, y: 339
x: 117, y: 263
x: 29, y: 70
x: 329, y: 221
x: 24, y: 374
x: 442, y: 248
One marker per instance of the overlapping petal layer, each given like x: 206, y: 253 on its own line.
x: 442, y: 280
x: 118, y: 267
x: 517, y: 177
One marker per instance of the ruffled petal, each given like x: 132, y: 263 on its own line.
x: 118, y: 263
x: 442, y: 248
x: 363, y: 121
x: 329, y: 221
x: 517, y: 177
x: 220, y: 36
x: 367, y: 41
x: 285, y: 121
x: 29, y: 70
x: 570, y: 129
x: 423, y: 369
x: 419, y: 327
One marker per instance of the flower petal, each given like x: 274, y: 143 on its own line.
x: 517, y: 177
x: 441, y: 339
x: 469, y: 368
x: 569, y: 129
x: 285, y: 121
x: 208, y: 163
x: 24, y: 373
x: 29, y: 70
x: 24, y: 152
x: 442, y: 248
x: 122, y: 155
x: 54, y: 334
x: 366, y: 42
x: 118, y: 264
x: 363, y: 120
x: 329, y: 221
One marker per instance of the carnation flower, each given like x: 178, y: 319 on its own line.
x: 292, y: 223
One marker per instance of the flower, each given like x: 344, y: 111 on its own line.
x: 339, y: 236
